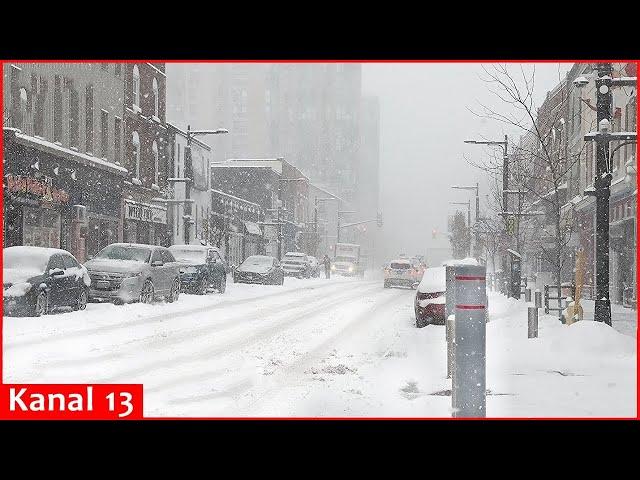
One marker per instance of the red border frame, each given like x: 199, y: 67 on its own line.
x: 637, y: 62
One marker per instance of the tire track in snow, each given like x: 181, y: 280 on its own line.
x: 294, y: 372
x: 175, y: 337
x: 9, y: 345
x: 242, y: 339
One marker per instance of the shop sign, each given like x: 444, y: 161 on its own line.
x: 42, y: 190
x: 145, y: 213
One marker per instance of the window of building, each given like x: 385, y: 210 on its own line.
x: 104, y: 133
x: 156, y: 164
x: 178, y: 162
x: 40, y: 94
x: 156, y: 98
x: 589, y: 163
x: 136, y: 86
x: 89, y: 119
x: 117, y: 126
x: 136, y: 152
x: 57, y: 109
x: 74, y: 118
x: 23, y: 108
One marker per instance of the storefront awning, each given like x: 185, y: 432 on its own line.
x: 253, y: 228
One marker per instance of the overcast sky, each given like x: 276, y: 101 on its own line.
x: 424, y: 121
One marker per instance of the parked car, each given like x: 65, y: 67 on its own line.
x: 37, y: 280
x: 259, y: 269
x: 134, y: 272
x: 314, y: 267
x: 296, y: 264
x: 431, y: 297
x: 400, y: 273
x: 202, y: 268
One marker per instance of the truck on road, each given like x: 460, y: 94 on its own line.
x: 347, y: 260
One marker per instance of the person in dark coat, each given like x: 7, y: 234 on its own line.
x: 327, y: 266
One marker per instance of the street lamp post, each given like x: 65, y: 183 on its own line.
x: 477, y: 232
x: 189, y: 170
x: 468, y: 204
x: 602, y: 181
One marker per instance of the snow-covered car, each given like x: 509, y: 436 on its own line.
x: 134, y: 272
x: 431, y: 297
x: 201, y: 269
x: 37, y: 280
x: 259, y: 269
x: 314, y: 267
x: 400, y: 273
x: 296, y: 264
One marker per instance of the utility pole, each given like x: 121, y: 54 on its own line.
x: 602, y: 184
x: 602, y: 181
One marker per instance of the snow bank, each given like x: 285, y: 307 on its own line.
x: 592, y: 338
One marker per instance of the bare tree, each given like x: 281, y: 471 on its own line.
x: 540, y: 162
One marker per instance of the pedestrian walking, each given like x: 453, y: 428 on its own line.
x: 327, y: 266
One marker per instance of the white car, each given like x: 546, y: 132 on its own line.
x: 401, y: 273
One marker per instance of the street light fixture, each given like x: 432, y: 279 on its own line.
x: 188, y: 162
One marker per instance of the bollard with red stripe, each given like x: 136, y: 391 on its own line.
x: 469, y: 379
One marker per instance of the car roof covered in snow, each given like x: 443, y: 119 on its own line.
x: 295, y: 254
x: 460, y: 261
x: 434, y: 280
x: 35, y: 251
x: 193, y: 248
x: 139, y: 245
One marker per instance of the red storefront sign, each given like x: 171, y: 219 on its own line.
x: 20, y: 184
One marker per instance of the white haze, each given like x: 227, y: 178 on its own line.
x: 424, y: 119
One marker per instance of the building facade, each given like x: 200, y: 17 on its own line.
x: 188, y: 220
x: 63, y: 155
x: 146, y: 154
x: 234, y: 227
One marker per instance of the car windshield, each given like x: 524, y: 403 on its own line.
x: 125, y: 252
x: 189, y: 255
x: 25, y: 258
x: 258, y: 260
x: 294, y: 259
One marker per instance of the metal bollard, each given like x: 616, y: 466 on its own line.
x: 527, y: 295
x: 538, y: 299
x: 533, y: 322
x: 469, y: 377
x: 449, y: 310
x: 451, y: 338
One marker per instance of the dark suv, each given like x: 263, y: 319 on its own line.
x: 202, y: 268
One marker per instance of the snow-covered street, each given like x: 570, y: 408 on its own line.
x: 339, y: 347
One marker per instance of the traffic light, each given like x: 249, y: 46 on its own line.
x: 379, y: 219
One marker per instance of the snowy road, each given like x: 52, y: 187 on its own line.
x: 339, y: 347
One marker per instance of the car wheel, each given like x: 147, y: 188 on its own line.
x: 41, y: 306
x: 146, y: 295
x: 223, y: 284
x: 81, y: 301
x: 420, y: 323
x: 386, y: 284
x: 202, y: 288
x: 175, y: 291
